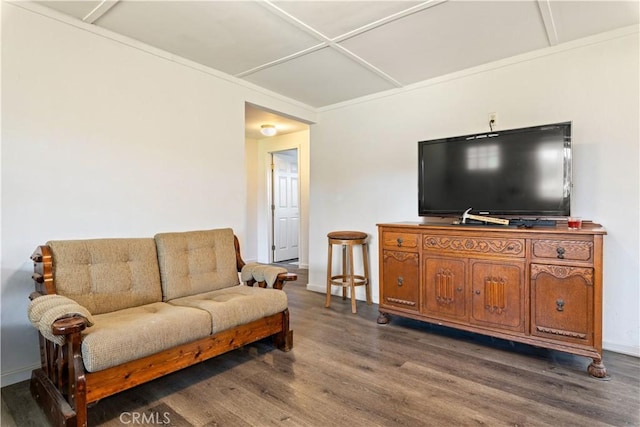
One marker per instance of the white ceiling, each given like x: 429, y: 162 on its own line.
x: 326, y: 52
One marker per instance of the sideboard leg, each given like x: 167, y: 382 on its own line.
x: 383, y: 318
x: 597, y: 369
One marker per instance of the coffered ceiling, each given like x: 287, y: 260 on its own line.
x: 326, y: 52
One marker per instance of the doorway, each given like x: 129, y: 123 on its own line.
x: 285, y: 205
x: 293, y: 139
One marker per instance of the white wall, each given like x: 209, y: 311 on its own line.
x: 105, y: 137
x: 364, y: 154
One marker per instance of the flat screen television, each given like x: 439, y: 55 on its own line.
x: 514, y: 173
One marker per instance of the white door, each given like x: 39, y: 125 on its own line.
x: 286, y: 206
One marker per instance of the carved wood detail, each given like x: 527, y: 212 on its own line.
x: 401, y: 256
x: 444, y: 286
x: 494, y: 300
x: 401, y: 301
x: 561, y: 332
x: 475, y: 245
x: 562, y: 272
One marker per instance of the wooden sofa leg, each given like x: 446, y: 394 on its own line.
x: 53, y: 404
x: 284, y: 339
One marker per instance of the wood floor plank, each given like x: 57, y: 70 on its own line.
x: 346, y: 370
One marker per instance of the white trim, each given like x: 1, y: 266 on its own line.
x: 525, y: 57
x: 99, y: 11
x: 552, y: 50
x: 317, y: 288
x: 135, y: 44
x: 17, y: 375
x: 629, y: 350
x: 549, y: 23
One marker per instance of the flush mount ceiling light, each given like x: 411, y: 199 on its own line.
x: 268, y: 130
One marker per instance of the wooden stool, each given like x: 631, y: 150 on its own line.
x: 348, y: 279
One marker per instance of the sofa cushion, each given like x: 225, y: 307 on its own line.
x: 196, y: 261
x: 235, y: 306
x: 132, y: 333
x: 105, y: 275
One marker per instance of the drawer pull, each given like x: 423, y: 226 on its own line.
x: 399, y: 240
x: 560, y: 252
x: 560, y: 305
x: 400, y: 281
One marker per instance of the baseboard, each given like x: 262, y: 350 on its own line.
x: 16, y: 376
x: 337, y: 291
x: 629, y: 350
x: 316, y: 288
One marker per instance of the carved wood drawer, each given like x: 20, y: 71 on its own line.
x: 475, y: 245
x: 400, y: 241
x: 575, y: 250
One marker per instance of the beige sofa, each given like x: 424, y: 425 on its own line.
x: 114, y: 313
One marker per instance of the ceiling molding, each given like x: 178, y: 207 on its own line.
x: 159, y: 53
x: 281, y: 60
x: 334, y: 42
x: 319, y: 54
x: 346, y: 52
x: 513, y: 60
x: 547, y: 20
x: 99, y: 11
x: 383, y: 21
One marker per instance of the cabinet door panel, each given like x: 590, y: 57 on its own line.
x: 445, y: 287
x: 401, y: 279
x: 561, y: 302
x: 497, y: 297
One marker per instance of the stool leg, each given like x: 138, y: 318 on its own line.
x: 344, y: 270
x: 328, y: 301
x: 352, y: 281
x: 365, y: 261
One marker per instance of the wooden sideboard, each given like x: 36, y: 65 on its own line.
x: 540, y: 286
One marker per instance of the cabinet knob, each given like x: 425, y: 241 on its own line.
x: 400, y: 281
x: 399, y: 240
x: 560, y: 304
x: 560, y: 251
x: 459, y: 289
x: 477, y: 292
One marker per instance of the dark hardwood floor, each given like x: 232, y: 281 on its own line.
x: 346, y: 370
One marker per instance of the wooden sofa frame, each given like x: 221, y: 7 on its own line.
x: 63, y: 389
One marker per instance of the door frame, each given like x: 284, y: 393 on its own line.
x: 271, y: 199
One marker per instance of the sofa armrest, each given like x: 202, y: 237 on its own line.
x: 56, y: 316
x: 266, y: 275
x: 283, y: 278
x: 69, y: 325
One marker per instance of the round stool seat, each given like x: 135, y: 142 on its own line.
x: 347, y: 235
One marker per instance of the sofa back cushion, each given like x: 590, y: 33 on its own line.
x: 196, y: 261
x: 106, y: 275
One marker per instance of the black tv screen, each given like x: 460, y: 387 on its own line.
x: 519, y: 172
